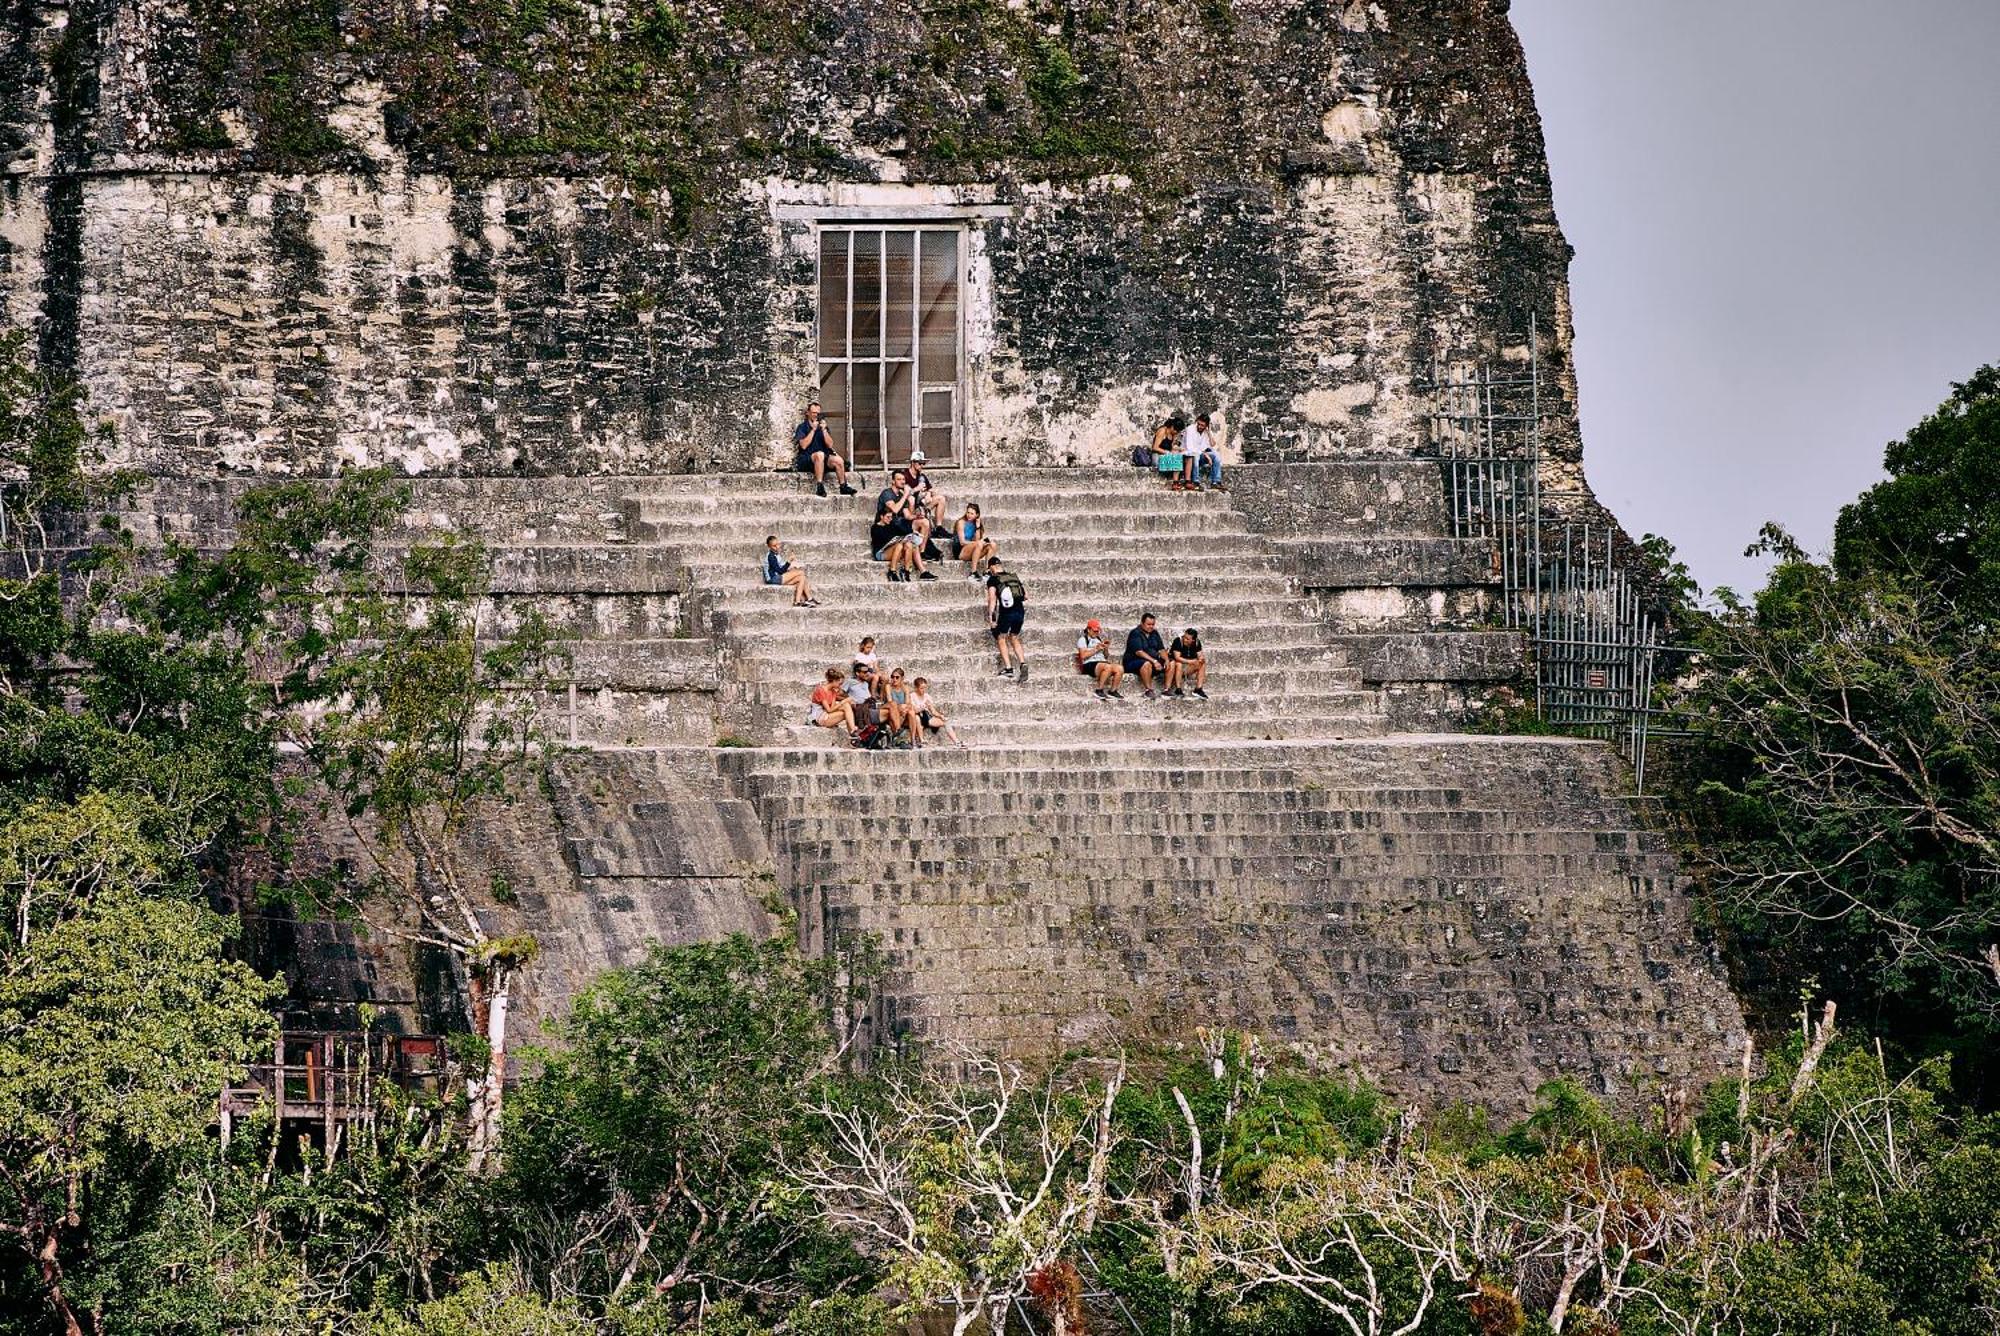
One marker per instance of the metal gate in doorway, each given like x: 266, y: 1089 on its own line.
x: 891, y: 341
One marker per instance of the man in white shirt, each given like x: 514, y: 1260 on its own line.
x: 1201, y: 455
x: 1093, y: 660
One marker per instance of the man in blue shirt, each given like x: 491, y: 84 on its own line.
x: 814, y: 444
x: 1145, y: 652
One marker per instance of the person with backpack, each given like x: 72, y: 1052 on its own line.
x: 1006, y: 610
x: 780, y: 570
x: 860, y: 691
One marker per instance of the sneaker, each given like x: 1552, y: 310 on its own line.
x: 1100, y: 694
x: 1149, y: 693
x: 1024, y: 672
x: 1113, y: 693
x: 1007, y: 672
x: 822, y: 489
x: 846, y: 490
x: 975, y: 578
x: 895, y: 577
x: 928, y: 575
x: 1199, y: 692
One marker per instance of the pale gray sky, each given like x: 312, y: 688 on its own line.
x: 1786, y: 216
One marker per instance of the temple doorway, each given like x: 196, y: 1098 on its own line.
x: 891, y: 341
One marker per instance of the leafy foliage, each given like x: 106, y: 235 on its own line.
x: 1844, y: 797
x: 656, y: 1124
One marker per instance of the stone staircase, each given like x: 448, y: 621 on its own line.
x: 1086, y: 543
x: 1459, y: 917
x: 1455, y: 915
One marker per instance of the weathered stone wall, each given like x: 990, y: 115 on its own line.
x: 605, y: 854
x: 492, y: 238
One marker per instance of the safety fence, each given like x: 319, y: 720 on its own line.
x: 1566, y: 585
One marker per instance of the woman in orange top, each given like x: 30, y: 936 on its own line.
x: 829, y: 707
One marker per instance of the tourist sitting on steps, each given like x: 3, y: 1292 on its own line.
x: 891, y: 540
x: 828, y: 706
x: 864, y: 656
x: 814, y: 444
x: 930, y: 719
x: 1166, y: 441
x: 892, y: 705
x: 1093, y: 660
x: 1145, y: 653
x: 1201, y: 457
x: 860, y: 691
x: 969, y: 542
x: 778, y: 570
x: 1006, y: 609
x: 918, y: 483
x: 1187, y: 662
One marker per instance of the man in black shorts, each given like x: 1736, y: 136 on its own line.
x: 1146, y: 653
x: 1006, y: 609
x: 814, y: 444
x: 1187, y: 665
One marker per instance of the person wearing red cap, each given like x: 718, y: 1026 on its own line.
x: 1093, y: 660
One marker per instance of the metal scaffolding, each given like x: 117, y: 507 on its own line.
x: 1565, y: 585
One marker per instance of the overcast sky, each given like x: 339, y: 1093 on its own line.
x: 1786, y: 216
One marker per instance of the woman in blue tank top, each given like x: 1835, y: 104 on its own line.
x: 969, y: 542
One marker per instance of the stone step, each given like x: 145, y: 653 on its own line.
x: 952, y: 481
x: 798, y: 635
x: 1029, y: 869
x: 1016, y: 733
x: 1110, y: 835
x: 1197, y: 815
x: 1363, y: 479
x: 748, y: 520
x: 997, y: 698
x: 856, y: 573
x: 1002, y: 780
x: 940, y: 604
x: 817, y: 546
x: 1267, y: 681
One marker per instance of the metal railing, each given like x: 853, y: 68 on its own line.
x: 1566, y: 585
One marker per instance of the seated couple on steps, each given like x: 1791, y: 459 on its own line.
x: 909, y: 513
x: 1177, y: 668
x: 877, y: 709
x: 1189, y: 458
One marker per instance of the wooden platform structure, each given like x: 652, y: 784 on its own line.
x: 319, y: 1080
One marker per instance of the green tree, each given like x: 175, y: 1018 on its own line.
x: 1843, y: 796
x: 424, y: 712
x: 119, y: 1024
x: 655, y: 1126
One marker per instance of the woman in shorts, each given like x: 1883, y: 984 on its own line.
x: 969, y: 542
x: 892, y: 698
x: 929, y: 717
x: 828, y: 706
